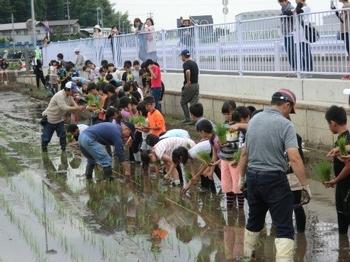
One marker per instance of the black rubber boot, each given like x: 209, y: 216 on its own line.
x: 43, y: 148
x: 107, y: 173
x: 89, y: 170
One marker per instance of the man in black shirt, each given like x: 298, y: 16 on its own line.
x: 337, y: 121
x: 190, y: 89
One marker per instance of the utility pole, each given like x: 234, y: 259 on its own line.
x: 68, y: 17
x: 33, y: 23
x: 99, y: 16
x: 13, y: 30
x: 150, y: 14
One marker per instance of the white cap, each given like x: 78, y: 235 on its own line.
x: 76, y: 50
x: 97, y: 27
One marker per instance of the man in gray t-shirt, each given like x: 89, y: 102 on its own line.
x: 270, y: 136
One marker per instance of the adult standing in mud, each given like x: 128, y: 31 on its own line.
x: 270, y: 134
x: 93, y: 142
x: 53, y: 117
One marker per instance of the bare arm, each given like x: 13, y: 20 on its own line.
x: 297, y: 165
x: 188, y: 76
x: 243, y: 162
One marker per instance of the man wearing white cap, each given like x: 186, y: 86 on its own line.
x: 53, y: 117
x: 79, y: 62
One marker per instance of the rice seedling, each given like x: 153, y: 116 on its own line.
x: 204, y: 157
x: 237, y: 155
x: 323, y: 171
x: 93, y: 101
x: 221, y: 130
x: 341, y: 143
x: 137, y: 120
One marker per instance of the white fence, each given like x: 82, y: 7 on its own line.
x: 266, y: 46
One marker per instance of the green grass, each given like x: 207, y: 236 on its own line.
x: 237, y: 155
x: 221, y: 130
x: 137, y: 120
x: 323, y: 171
x: 204, y: 157
x: 341, y: 143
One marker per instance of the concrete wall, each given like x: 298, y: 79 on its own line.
x: 314, y: 96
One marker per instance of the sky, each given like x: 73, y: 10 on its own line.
x: 165, y: 12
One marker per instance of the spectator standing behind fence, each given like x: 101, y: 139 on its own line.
x: 190, y: 89
x: 114, y: 41
x: 287, y: 31
x: 187, y: 33
x: 79, y: 61
x: 139, y: 30
x: 150, y: 36
x: 344, y: 18
x: 97, y: 35
x: 302, y: 9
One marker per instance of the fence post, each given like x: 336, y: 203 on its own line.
x: 240, y: 47
x: 163, y: 33
x: 114, y: 40
x: 196, y: 44
x: 297, y: 40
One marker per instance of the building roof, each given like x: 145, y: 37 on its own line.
x: 22, y: 25
x: 258, y: 14
x: 16, y: 26
x: 63, y: 22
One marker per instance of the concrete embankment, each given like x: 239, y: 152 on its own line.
x: 314, y: 96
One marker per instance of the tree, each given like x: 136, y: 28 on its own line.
x: 5, y: 11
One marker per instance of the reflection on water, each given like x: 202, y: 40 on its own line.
x: 62, y: 217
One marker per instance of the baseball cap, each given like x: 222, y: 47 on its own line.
x: 72, y: 87
x: 76, y: 50
x: 185, y: 53
x: 285, y: 95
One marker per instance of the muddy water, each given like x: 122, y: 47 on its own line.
x: 48, y: 212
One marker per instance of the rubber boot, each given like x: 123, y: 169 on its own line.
x: 107, y: 173
x: 284, y: 249
x: 89, y: 170
x: 250, y: 241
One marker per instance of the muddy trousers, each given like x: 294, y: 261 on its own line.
x: 39, y: 76
x: 49, y: 129
x: 300, y: 217
x: 189, y: 95
x: 343, y: 219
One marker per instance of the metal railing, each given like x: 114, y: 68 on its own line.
x: 311, y: 43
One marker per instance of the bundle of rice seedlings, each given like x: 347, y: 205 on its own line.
x: 237, y: 155
x: 221, y: 131
x: 137, y: 120
x: 204, y: 157
x: 93, y: 101
x: 323, y: 171
x: 70, y: 138
x: 341, y: 143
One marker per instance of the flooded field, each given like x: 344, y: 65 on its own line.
x: 48, y: 212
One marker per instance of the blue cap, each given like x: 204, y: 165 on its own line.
x: 185, y: 53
